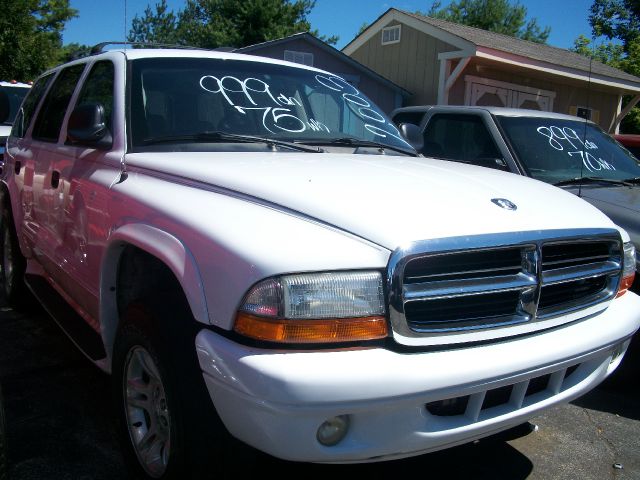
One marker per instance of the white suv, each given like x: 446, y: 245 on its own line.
x: 248, y: 246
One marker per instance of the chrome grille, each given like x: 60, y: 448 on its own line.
x: 471, y: 283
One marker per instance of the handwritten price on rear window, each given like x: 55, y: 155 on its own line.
x: 566, y: 139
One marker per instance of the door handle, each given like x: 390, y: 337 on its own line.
x: 55, y: 179
x: 17, y: 166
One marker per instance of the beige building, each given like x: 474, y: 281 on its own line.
x: 450, y: 64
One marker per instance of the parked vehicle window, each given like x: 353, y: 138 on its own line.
x: 51, y: 115
x: 555, y: 150
x: 463, y: 138
x: 14, y: 95
x: 98, y: 88
x: 25, y: 114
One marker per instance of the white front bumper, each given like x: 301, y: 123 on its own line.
x: 275, y: 400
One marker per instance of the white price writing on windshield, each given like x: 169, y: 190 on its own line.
x: 592, y: 163
x: 362, y: 108
x: 253, y: 91
x: 557, y: 135
x: 565, y: 139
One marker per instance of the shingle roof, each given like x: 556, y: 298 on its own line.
x: 524, y: 48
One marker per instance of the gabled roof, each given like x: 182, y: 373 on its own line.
x: 525, y: 48
x: 498, y: 46
x: 306, y: 36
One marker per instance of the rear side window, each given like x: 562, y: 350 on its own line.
x: 25, y: 114
x: 463, y: 138
x: 54, y: 108
x: 98, y: 88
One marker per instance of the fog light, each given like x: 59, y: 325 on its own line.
x: 333, y: 430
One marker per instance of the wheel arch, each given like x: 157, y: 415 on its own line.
x: 155, y: 248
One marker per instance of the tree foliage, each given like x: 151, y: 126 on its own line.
x: 31, y: 36
x: 500, y: 16
x: 617, y: 23
x: 71, y: 51
x: 616, y: 19
x: 224, y: 23
x: 159, y: 26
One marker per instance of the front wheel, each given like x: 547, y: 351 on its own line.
x: 166, y: 421
x: 13, y: 263
x: 147, y: 411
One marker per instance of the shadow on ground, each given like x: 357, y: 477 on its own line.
x: 60, y: 423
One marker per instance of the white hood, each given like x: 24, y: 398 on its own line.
x: 388, y: 200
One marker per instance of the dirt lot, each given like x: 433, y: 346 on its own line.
x: 60, y: 424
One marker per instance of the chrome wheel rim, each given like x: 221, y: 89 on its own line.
x: 147, y: 412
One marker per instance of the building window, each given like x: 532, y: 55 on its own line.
x: 304, y: 58
x: 391, y: 35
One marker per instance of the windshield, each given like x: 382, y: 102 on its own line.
x: 175, y: 100
x: 15, y: 96
x: 555, y: 150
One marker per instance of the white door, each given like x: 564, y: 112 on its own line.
x: 494, y: 93
x: 530, y: 101
x: 489, y: 96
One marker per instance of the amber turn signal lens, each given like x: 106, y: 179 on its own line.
x: 625, y: 284
x: 311, y: 331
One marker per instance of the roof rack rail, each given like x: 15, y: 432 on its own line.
x: 99, y: 48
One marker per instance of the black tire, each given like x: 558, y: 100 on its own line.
x: 3, y: 442
x: 180, y: 411
x: 13, y: 264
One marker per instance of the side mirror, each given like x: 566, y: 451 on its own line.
x: 491, y: 162
x: 5, y: 108
x: 87, y: 126
x: 413, y: 135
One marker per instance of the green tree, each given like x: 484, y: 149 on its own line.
x: 363, y: 27
x: 71, y: 51
x: 617, y: 23
x: 224, y: 23
x: 160, y: 26
x: 31, y: 36
x: 616, y: 19
x: 498, y: 16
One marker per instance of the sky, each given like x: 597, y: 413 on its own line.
x: 96, y: 24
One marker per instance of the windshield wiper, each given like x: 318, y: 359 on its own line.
x: 632, y: 180
x: 581, y: 180
x: 222, y: 137
x: 356, y: 142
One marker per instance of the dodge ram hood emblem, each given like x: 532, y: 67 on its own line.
x: 504, y: 203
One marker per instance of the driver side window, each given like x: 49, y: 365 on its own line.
x: 98, y: 88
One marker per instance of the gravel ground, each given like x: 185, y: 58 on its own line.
x: 60, y: 424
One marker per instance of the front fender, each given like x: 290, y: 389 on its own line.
x: 166, y: 248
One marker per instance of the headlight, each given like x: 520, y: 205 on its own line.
x: 628, y: 268
x: 315, y: 308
